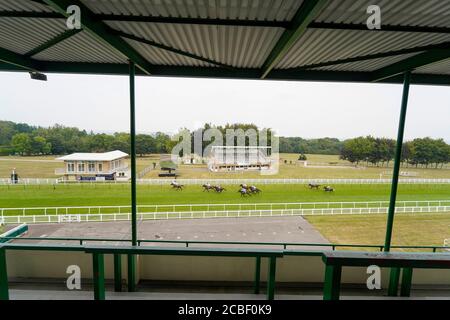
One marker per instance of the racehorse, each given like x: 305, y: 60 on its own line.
x: 178, y: 186
x: 207, y: 187
x: 219, y: 189
x: 254, y: 189
x: 314, y: 186
x: 328, y: 189
x: 244, y: 192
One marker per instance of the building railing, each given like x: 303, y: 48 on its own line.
x: 62, y: 171
x: 259, y: 181
x: 317, y: 247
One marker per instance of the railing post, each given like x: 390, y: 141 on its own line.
x: 405, y: 289
x: 117, y: 272
x: 332, y: 283
x: 4, y: 291
x: 271, y: 278
x: 131, y: 272
x: 394, y: 280
x: 99, y: 276
x: 257, y: 275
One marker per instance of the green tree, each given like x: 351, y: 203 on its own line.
x: 21, y: 143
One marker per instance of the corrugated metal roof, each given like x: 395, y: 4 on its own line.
x: 319, y: 45
x: 81, y: 47
x: 367, y: 65
x: 23, y: 5
x: 442, y: 67
x: 433, y: 13
x: 163, y: 57
x: 22, y: 35
x: 280, y: 10
x: 235, y: 46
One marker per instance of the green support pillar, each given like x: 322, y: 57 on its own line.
x: 257, y: 275
x: 4, y: 292
x: 394, y: 279
x: 332, y: 283
x: 405, y: 289
x: 133, y: 156
x: 131, y: 272
x: 397, y: 159
x: 117, y: 272
x: 131, y: 258
x: 271, y: 278
x: 99, y: 276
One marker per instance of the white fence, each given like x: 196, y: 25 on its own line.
x: 185, y: 211
x: 258, y: 181
x: 213, y: 214
x: 164, y: 208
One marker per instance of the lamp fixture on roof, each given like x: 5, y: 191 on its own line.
x: 38, y: 76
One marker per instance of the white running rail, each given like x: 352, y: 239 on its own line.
x: 231, y: 181
x: 215, y: 207
x: 216, y: 214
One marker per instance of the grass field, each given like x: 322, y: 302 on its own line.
x: 44, y: 167
x: 110, y: 195
x: 409, y: 229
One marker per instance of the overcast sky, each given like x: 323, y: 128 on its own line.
x: 306, y: 109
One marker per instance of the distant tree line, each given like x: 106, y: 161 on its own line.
x: 23, y: 139
x: 424, y: 152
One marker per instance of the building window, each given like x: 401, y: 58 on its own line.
x: 70, y: 167
x: 91, y: 167
x: 81, y: 167
x: 100, y: 167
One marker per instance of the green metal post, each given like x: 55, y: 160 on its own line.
x: 131, y: 258
x: 405, y: 289
x: 257, y: 275
x: 133, y: 156
x: 397, y: 159
x: 117, y: 272
x: 99, y: 276
x: 131, y: 272
x: 4, y: 293
x: 271, y: 278
x: 332, y: 283
x: 394, y: 280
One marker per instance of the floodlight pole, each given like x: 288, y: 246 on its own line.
x: 132, y: 258
x: 397, y: 160
x: 395, y: 272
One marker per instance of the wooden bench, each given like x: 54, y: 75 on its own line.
x: 335, y: 260
x: 98, y: 253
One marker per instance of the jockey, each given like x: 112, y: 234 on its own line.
x: 243, y: 190
x: 244, y: 186
x: 252, y: 188
x: 174, y: 183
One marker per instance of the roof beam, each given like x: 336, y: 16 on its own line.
x: 444, y: 45
x: 18, y: 60
x: 102, y: 32
x: 363, y: 27
x: 302, y: 18
x: 29, y: 14
x: 411, y: 63
x: 171, y: 49
x: 59, y: 38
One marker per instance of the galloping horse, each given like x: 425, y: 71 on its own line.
x: 254, y: 189
x: 175, y: 185
x: 314, y: 186
x: 328, y: 189
x: 207, y: 187
x: 244, y: 192
x: 219, y: 189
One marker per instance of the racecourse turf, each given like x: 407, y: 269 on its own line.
x: 112, y: 195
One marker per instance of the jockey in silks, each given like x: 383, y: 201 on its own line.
x: 243, y: 190
x: 174, y: 183
x: 253, y: 188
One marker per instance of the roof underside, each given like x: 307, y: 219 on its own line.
x: 318, y: 40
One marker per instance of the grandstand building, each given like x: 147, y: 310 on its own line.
x: 236, y: 158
